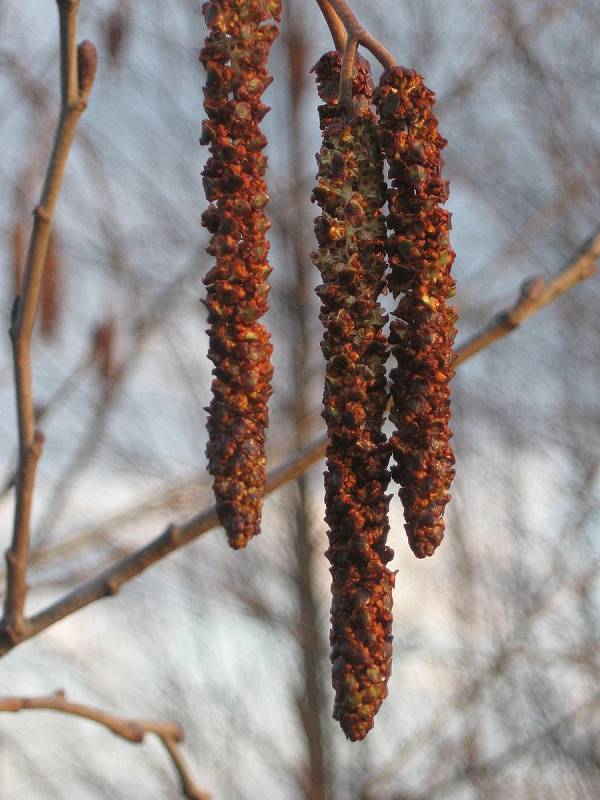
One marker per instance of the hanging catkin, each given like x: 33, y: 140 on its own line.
x: 351, y: 259
x: 420, y: 258
x: 235, y: 55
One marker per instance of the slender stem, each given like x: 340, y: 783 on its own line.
x: 188, y: 787
x: 67, y: 12
x: 583, y: 265
x: 132, y: 730
x: 346, y: 76
x: 74, y: 101
x: 336, y: 28
x: 535, y: 295
x: 356, y: 31
x: 110, y: 581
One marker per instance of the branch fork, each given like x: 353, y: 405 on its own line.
x: 132, y: 730
x: 347, y: 34
x: 78, y: 68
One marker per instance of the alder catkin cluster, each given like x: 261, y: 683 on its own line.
x: 351, y: 259
x: 354, y: 252
x: 235, y: 55
x: 420, y: 258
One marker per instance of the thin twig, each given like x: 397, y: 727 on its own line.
x: 346, y: 76
x: 143, y: 327
x: 334, y: 23
x: 511, y: 754
x: 74, y: 101
x: 108, y: 582
x: 132, y: 730
x: 536, y: 294
x: 57, y: 400
x: 356, y: 31
x: 188, y: 787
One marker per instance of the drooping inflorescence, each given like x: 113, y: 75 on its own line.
x: 420, y: 258
x: 351, y: 259
x: 235, y: 55
x: 354, y: 252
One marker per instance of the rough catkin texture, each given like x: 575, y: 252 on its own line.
x: 235, y: 55
x: 351, y: 258
x: 420, y: 258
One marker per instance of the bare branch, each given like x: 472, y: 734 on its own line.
x: 132, y: 730
x: 356, y: 31
x: 512, y: 753
x: 74, y: 101
x: 110, y: 580
x: 536, y: 294
x: 334, y: 23
x: 188, y: 787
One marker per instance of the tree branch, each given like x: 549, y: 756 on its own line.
x: 132, y: 730
x: 511, y: 754
x: 108, y: 582
x: 77, y: 75
x: 334, y: 23
x: 188, y: 787
x: 347, y: 73
x: 536, y: 294
x: 356, y: 31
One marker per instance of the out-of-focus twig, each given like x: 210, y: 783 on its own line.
x: 110, y: 580
x: 114, y: 388
x: 132, y: 730
x: 188, y: 788
x: 500, y: 663
x: 511, y: 754
x: 78, y: 65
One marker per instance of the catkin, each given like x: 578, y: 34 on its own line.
x: 351, y: 259
x: 420, y: 258
x: 235, y: 55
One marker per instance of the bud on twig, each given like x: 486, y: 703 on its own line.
x: 87, y: 62
x: 420, y: 258
x: 351, y: 258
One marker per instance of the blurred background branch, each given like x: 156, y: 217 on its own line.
x: 132, y: 730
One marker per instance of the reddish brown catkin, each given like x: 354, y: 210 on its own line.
x: 351, y: 258
x: 420, y: 258
x: 235, y: 55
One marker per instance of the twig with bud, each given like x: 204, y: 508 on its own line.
x: 78, y: 68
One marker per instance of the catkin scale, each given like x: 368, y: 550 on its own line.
x: 420, y: 259
x: 351, y: 259
x: 235, y: 55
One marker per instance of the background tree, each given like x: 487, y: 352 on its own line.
x: 494, y: 691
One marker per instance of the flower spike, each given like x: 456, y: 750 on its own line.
x: 420, y: 258
x: 235, y: 55
x: 351, y: 258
